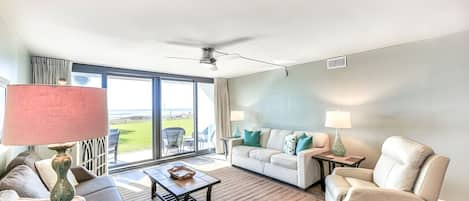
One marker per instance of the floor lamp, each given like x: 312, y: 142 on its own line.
x: 57, y: 116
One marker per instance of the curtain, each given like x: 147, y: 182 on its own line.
x: 222, y: 113
x: 49, y: 70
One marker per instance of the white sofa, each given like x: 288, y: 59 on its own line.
x: 299, y: 170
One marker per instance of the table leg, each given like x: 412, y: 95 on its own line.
x: 225, y: 147
x: 153, y: 189
x: 321, y: 171
x: 186, y: 197
x: 209, y: 193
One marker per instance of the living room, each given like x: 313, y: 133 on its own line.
x: 258, y: 100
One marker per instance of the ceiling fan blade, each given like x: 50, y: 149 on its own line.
x: 183, y: 58
x: 225, y: 43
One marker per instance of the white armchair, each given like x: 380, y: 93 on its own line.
x: 406, y: 171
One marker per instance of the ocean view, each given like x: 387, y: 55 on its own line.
x: 122, y: 114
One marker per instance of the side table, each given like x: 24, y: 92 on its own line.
x: 333, y: 161
x: 225, y: 144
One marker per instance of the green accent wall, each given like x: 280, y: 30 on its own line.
x: 419, y: 90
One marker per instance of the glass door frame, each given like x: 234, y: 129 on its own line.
x: 156, y: 110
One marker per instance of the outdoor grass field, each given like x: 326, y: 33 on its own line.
x: 137, y: 135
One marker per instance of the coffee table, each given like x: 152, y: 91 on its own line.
x: 179, y: 189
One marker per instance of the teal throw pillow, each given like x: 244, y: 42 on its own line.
x: 252, y: 138
x: 304, y: 142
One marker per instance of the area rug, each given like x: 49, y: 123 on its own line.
x: 237, y: 185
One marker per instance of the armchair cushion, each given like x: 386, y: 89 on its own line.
x: 338, y: 186
x: 25, y: 182
x: 92, y: 186
x: 379, y: 194
x: 358, y: 173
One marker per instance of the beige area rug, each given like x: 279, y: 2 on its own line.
x: 236, y: 185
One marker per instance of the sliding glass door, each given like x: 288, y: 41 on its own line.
x: 130, y: 104
x: 177, y: 117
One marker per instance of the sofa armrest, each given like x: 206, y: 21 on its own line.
x: 76, y: 198
x: 357, y: 173
x: 232, y: 143
x: 379, y: 194
x: 308, y: 168
x: 82, y: 174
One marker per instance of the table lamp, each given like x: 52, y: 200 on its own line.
x: 57, y: 116
x: 237, y: 116
x: 338, y: 120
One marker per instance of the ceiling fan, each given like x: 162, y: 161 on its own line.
x: 210, y: 49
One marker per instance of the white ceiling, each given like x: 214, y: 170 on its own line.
x: 132, y: 34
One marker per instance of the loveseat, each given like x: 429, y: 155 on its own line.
x: 269, y: 159
x: 22, y: 175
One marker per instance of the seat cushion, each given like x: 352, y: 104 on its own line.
x: 276, y: 139
x: 263, y: 154
x: 242, y: 151
x: 284, y: 160
x: 337, y: 186
x: 25, y: 182
x: 94, y: 185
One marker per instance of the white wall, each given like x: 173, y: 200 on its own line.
x: 419, y: 90
x: 14, y: 66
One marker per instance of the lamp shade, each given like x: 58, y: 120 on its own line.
x: 338, y: 119
x: 44, y: 114
x: 237, y: 115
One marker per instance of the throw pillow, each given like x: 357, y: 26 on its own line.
x: 304, y: 142
x: 252, y: 138
x: 289, y: 146
x: 48, y: 174
x: 8, y: 195
x: 24, y: 181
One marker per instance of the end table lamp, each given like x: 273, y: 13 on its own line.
x: 237, y: 116
x: 338, y: 120
x: 57, y: 116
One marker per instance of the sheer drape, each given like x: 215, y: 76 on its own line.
x: 49, y: 70
x: 222, y: 113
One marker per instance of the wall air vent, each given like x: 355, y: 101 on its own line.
x: 337, y: 62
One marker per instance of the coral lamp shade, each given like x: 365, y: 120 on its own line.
x: 338, y: 119
x: 44, y: 114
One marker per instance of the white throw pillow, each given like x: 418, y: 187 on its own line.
x: 277, y: 138
x: 48, y: 174
x: 289, y: 146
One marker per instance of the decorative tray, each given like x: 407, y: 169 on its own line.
x: 181, y: 173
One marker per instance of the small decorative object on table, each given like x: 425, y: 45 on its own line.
x: 181, y: 172
x: 332, y: 160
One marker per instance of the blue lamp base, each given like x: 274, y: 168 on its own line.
x: 338, y: 149
x: 236, y: 132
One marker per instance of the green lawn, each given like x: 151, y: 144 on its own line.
x: 137, y: 135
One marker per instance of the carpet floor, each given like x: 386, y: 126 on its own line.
x: 236, y: 185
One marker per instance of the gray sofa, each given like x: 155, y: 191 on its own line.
x: 91, y: 187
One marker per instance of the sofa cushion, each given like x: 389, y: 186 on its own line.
x: 289, y: 146
x: 25, y: 182
x: 265, y: 133
x: 242, y: 151
x: 27, y: 158
x: 263, y: 154
x: 48, y: 174
x: 108, y: 194
x: 94, y: 185
x: 8, y: 195
x: 337, y: 186
x: 400, y: 162
x: 277, y: 138
x: 284, y: 160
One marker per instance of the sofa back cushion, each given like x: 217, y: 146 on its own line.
x: 400, y: 163
x: 277, y: 138
x: 27, y: 158
x: 320, y: 140
x: 25, y: 182
x: 265, y: 134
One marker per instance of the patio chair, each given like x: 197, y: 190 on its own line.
x: 207, y: 135
x: 173, y: 138
x: 113, y: 142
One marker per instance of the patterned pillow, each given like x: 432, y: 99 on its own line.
x: 289, y: 145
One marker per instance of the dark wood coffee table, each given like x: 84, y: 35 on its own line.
x: 179, y: 189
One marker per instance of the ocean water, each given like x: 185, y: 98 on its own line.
x: 121, y: 114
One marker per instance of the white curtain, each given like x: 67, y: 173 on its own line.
x: 49, y: 70
x: 222, y: 112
